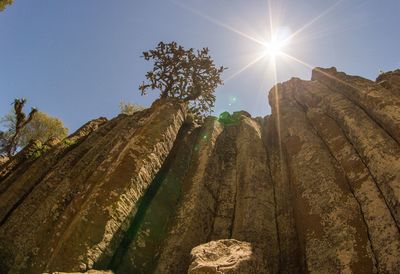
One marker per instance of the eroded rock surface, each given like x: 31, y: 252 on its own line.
x: 390, y: 80
x: 312, y: 188
x: 77, y: 212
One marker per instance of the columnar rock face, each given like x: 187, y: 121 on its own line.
x: 312, y: 188
x: 78, y: 210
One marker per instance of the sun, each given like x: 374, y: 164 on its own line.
x: 279, y: 37
x: 275, y: 46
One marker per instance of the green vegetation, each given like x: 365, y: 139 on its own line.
x: 15, y: 121
x: 68, y: 142
x: 129, y: 108
x: 42, y: 128
x: 19, y: 130
x: 37, y: 150
x: 183, y: 74
x: 227, y: 119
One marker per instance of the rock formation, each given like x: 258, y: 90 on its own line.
x: 312, y: 188
x: 224, y: 256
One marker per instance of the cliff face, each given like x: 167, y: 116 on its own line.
x: 314, y: 187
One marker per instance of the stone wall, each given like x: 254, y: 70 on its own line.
x: 312, y: 188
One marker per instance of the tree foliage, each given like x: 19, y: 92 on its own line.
x: 15, y: 124
x: 42, y: 128
x: 19, y: 130
x: 185, y: 74
x: 129, y: 108
x: 4, y: 3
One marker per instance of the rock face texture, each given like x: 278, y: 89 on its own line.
x: 312, y: 188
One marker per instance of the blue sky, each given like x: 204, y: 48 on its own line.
x: 77, y: 60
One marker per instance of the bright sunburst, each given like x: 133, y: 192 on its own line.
x: 278, y: 43
x: 274, y: 47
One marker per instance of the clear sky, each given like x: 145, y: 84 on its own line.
x: 77, y: 60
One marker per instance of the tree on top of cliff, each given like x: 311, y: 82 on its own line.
x: 185, y: 74
x: 21, y: 130
x: 43, y: 127
x: 10, y: 138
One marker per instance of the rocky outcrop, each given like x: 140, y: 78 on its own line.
x: 224, y: 256
x: 77, y: 212
x: 331, y: 131
x: 390, y: 80
x: 312, y: 188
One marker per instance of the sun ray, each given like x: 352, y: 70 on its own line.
x: 217, y: 22
x: 271, y: 25
x: 331, y: 31
x: 315, y: 19
x: 297, y: 60
x: 251, y: 63
x: 260, y: 95
x: 320, y: 71
x: 273, y: 46
x: 278, y: 113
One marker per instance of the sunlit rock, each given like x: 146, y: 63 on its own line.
x: 224, y: 256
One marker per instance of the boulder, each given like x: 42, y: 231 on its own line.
x: 224, y: 256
